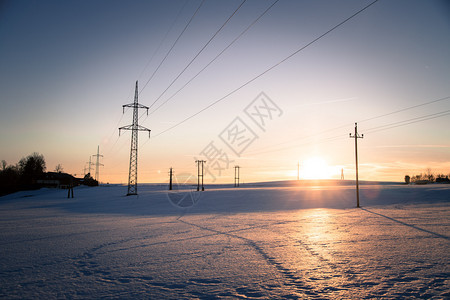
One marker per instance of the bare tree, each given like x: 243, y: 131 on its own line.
x: 429, y: 175
x: 59, y: 168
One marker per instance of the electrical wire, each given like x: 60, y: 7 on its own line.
x: 320, y: 141
x: 216, y: 57
x: 164, y: 38
x: 369, y: 119
x: 269, y: 69
x: 146, y: 66
x: 370, y: 130
x: 173, y: 45
x: 408, y: 122
x: 301, y: 138
x: 405, y: 109
x: 199, y: 52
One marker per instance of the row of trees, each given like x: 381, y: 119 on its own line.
x: 23, y: 175
x: 428, y: 177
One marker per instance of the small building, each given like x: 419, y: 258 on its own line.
x: 442, y: 179
x: 57, y: 180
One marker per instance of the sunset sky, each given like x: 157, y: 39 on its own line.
x: 67, y: 67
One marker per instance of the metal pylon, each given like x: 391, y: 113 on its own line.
x: 97, y: 164
x: 132, y: 174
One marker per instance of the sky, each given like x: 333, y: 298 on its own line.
x: 267, y: 103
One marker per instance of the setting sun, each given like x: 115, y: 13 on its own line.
x: 316, y: 168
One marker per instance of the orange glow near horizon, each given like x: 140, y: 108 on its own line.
x: 317, y: 168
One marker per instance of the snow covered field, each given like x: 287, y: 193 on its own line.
x: 266, y: 241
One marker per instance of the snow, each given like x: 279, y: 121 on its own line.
x: 261, y: 241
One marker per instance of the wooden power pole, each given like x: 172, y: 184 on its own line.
x: 170, y: 180
x: 236, y: 176
x: 200, y: 174
x: 356, y: 136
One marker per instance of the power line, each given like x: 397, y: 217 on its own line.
x: 303, y: 138
x: 216, y: 57
x: 164, y: 38
x: 113, y: 145
x: 370, y: 130
x: 270, y: 68
x: 148, y: 63
x: 173, y: 45
x: 199, y: 52
x: 409, y: 121
x: 328, y: 139
x: 407, y: 108
x: 115, y: 128
x: 144, y: 114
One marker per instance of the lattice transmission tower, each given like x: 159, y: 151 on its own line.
x: 89, y: 166
x: 132, y: 174
x: 97, y: 164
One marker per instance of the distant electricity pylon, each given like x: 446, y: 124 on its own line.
x: 132, y: 174
x: 89, y: 166
x: 200, y: 174
x: 356, y: 136
x: 236, y: 176
x: 97, y: 164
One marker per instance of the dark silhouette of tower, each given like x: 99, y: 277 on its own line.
x: 97, y: 164
x: 132, y: 174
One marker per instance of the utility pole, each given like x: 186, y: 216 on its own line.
x: 236, y: 176
x: 132, y: 173
x: 97, y: 164
x: 200, y: 174
x: 356, y: 136
x: 170, y: 181
x: 203, y: 187
x: 342, y: 174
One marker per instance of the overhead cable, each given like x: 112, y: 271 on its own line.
x: 269, y: 69
x: 173, y: 45
x: 198, y: 53
x: 216, y: 57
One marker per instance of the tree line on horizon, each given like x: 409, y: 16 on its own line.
x: 427, y: 177
x: 25, y: 174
